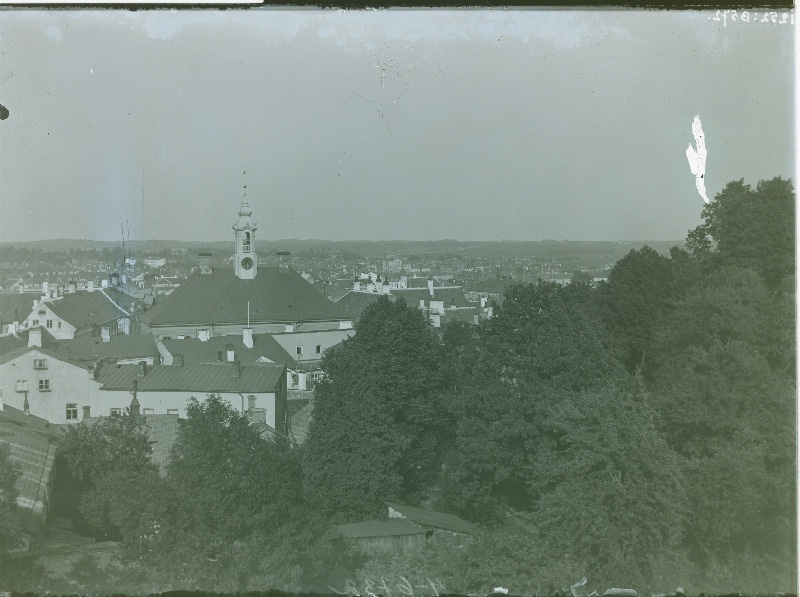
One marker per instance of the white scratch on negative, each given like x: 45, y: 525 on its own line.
x: 697, y: 158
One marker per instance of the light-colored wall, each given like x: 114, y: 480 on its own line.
x: 61, y: 330
x: 163, y: 401
x: 68, y: 384
x: 309, y: 341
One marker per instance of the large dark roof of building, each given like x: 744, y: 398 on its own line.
x: 437, y: 520
x: 355, y: 301
x: 86, y: 309
x: 195, y: 351
x: 15, y: 307
x: 374, y: 528
x: 118, y: 347
x: 274, y: 295
x: 210, y: 377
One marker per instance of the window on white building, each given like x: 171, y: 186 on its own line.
x: 172, y: 411
x: 299, y: 350
x: 148, y: 411
x: 59, y: 324
x: 116, y: 411
x: 44, y: 385
x: 35, y: 322
x: 49, y: 324
x: 22, y: 385
x: 319, y: 348
x: 40, y: 363
x: 72, y: 411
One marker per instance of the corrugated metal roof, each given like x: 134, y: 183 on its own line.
x: 118, y: 347
x: 33, y: 450
x: 195, y: 351
x: 85, y: 309
x: 437, y: 520
x: 374, y: 528
x: 221, y: 297
x: 206, y: 377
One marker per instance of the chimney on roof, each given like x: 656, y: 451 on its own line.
x: 430, y: 286
x: 237, y: 369
x: 247, y: 337
x: 203, y: 335
x: 59, y: 290
x: 13, y: 328
x: 105, y: 333
x: 72, y: 287
x: 35, y: 337
x: 90, y: 286
x: 46, y: 289
x: 26, y: 406
x: 87, y: 412
x: 231, y: 353
x: 133, y: 410
x: 142, y: 368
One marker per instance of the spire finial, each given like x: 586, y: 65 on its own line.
x: 245, y: 210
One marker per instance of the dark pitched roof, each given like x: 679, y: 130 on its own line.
x: 118, y: 347
x: 490, y: 285
x: 374, y: 528
x: 354, y: 302
x: 437, y: 520
x: 452, y: 297
x: 207, y: 377
x: 15, y: 307
x: 196, y: 351
x: 221, y: 297
x: 86, y: 309
x: 12, y: 342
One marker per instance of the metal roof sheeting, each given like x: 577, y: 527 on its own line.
x: 374, y: 528
x: 206, y: 377
x: 196, y: 351
x: 118, y: 347
x: 438, y: 520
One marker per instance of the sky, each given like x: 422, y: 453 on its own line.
x: 383, y: 124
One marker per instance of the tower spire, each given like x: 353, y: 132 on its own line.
x: 246, y: 261
x: 245, y: 210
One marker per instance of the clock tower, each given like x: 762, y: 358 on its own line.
x: 245, y: 261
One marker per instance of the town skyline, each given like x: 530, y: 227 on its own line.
x: 382, y: 125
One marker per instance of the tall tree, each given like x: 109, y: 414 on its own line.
x: 102, y: 461
x: 750, y: 228
x: 378, y: 415
x: 542, y: 344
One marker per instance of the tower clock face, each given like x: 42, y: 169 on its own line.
x: 247, y: 263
